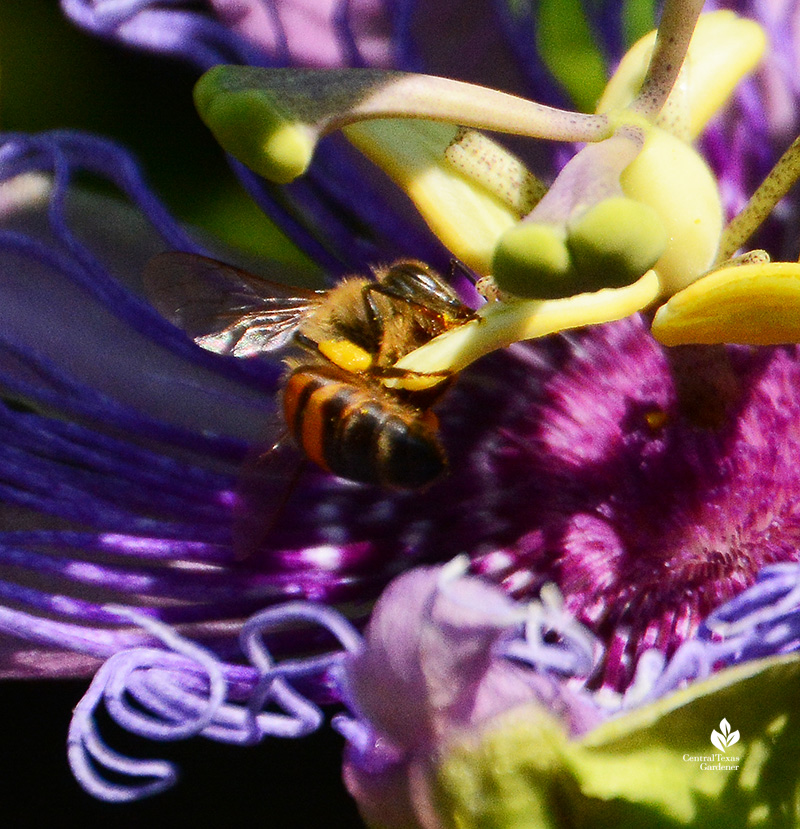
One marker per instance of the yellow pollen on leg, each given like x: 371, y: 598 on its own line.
x: 346, y: 355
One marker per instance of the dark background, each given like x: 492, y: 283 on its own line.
x: 280, y: 784
x: 54, y: 76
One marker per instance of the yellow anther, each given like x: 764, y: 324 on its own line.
x: 466, y: 217
x: 749, y: 304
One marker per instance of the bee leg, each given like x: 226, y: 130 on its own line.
x: 267, y: 482
x: 407, y: 373
x: 373, y: 313
x: 423, y: 388
x: 305, y: 342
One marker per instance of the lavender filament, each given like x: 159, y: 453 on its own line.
x: 170, y: 705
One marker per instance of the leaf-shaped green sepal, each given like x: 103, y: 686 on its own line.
x: 654, y: 767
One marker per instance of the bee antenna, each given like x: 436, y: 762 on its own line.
x: 458, y: 268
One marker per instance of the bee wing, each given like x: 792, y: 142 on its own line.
x: 223, y: 308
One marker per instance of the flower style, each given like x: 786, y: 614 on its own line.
x: 651, y: 485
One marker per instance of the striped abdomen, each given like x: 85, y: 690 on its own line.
x: 355, y: 433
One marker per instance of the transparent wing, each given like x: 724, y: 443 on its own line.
x: 223, y: 308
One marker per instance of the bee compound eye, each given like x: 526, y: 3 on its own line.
x: 411, y: 276
x: 418, y: 284
x: 412, y: 270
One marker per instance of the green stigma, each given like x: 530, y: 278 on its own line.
x: 532, y: 260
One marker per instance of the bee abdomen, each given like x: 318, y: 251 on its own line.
x: 355, y: 434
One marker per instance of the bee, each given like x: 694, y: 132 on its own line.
x: 345, y: 404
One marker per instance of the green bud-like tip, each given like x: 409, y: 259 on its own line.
x: 614, y: 242
x: 249, y: 125
x: 532, y: 261
x: 610, y: 245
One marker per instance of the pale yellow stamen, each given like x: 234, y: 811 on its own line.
x: 491, y: 166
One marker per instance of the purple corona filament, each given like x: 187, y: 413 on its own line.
x: 183, y: 690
